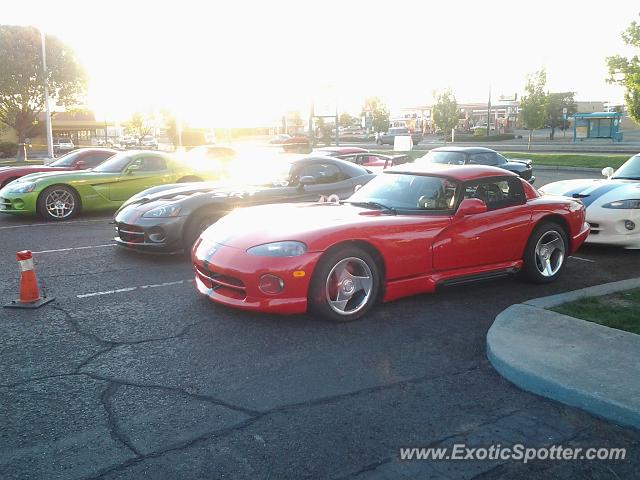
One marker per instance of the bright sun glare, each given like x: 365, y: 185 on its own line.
x: 222, y: 64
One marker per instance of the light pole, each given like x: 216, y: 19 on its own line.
x: 46, y: 98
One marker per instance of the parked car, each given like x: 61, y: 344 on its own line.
x: 77, y: 160
x: 128, y: 141
x: 62, y: 195
x: 279, y: 139
x: 149, y: 141
x: 62, y: 145
x: 388, y: 137
x: 171, y: 217
x: 479, y: 156
x: 407, y: 231
x: 613, y: 205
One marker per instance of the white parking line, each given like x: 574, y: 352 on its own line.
x: 76, y: 248
x: 59, y: 224
x: 583, y: 259
x: 131, y: 289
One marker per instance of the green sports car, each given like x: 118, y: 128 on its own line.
x: 62, y: 195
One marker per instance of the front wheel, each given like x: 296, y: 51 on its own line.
x: 58, y: 202
x: 546, y: 253
x: 345, y: 285
x: 194, y: 227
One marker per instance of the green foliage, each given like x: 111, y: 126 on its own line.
x: 556, y: 102
x: 379, y: 114
x: 571, y: 159
x: 483, y: 137
x: 445, y: 111
x: 347, y: 120
x: 625, y: 71
x: 324, y: 129
x: 480, y: 132
x: 533, y: 106
x: 22, y: 76
x: 139, y: 124
x: 8, y: 149
x: 170, y: 126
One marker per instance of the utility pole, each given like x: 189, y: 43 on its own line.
x: 46, y: 98
x: 337, y: 127
x: 489, y: 112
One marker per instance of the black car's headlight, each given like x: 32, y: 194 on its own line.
x: 278, y: 249
x: 630, y: 204
x: 20, y: 187
x: 164, y: 211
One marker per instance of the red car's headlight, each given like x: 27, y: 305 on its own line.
x: 278, y: 249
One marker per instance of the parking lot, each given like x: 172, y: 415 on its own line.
x: 130, y: 374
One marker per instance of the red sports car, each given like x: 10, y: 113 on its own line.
x: 408, y: 230
x: 80, y: 159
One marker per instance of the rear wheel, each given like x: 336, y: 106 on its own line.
x: 546, y: 253
x: 345, y: 285
x: 58, y: 202
x: 189, y: 179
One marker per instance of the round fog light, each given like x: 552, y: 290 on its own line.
x: 270, y: 284
x: 156, y: 235
x: 629, y: 225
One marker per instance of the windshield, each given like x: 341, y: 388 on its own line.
x: 449, y: 158
x: 629, y: 169
x: 408, y: 192
x: 66, y: 160
x: 115, y: 164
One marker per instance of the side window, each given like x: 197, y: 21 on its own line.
x: 500, y: 159
x: 150, y: 164
x: 488, y: 158
x: 497, y: 193
x: 322, y: 172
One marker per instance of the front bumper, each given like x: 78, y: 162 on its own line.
x: 577, y: 240
x: 162, y: 235
x: 607, y: 228
x: 230, y: 277
x: 18, y: 203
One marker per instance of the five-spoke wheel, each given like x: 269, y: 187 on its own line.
x: 546, y: 252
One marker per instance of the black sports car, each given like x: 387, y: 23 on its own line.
x: 479, y: 156
x: 170, y: 218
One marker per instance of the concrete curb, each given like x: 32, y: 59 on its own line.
x: 573, y: 361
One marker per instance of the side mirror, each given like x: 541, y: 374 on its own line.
x: 470, y: 206
x: 608, y: 172
x: 131, y: 169
x: 81, y: 165
x: 308, y: 180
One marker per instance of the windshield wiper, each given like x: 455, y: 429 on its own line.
x: 625, y: 178
x: 379, y: 206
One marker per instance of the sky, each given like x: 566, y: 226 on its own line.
x: 245, y: 63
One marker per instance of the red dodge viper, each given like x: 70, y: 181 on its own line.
x: 408, y: 230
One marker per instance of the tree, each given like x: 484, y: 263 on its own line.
x: 379, y: 114
x: 139, y: 124
x: 346, y: 120
x: 324, y: 130
x: 556, y: 102
x: 22, y: 77
x: 626, y: 71
x: 445, y: 112
x: 170, y: 126
x: 533, y: 106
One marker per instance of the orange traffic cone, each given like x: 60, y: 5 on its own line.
x: 29, y: 293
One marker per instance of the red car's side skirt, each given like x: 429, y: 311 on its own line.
x: 406, y: 287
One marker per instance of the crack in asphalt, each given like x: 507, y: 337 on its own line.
x: 75, y: 326
x: 112, y: 422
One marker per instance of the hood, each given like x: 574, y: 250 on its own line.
x: 28, y: 169
x: 524, y: 161
x: 60, y: 175
x: 246, y: 227
x: 590, y: 190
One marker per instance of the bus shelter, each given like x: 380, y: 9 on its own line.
x: 597, y: 125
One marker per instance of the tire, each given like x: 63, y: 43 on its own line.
x: 195, y: 225
x: 546, y: 253
x: 62, y: 195
x: 8, y: 181
x: 327, y: 296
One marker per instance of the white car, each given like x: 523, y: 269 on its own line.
x: 613, y: 205
x: 62, y: 145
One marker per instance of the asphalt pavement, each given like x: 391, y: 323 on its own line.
x: 130, y: 374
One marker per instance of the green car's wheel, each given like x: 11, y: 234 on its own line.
x: 58, y: 202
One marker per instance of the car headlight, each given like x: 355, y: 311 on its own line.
x: 164, y: 211
x: 623, y: 204
x: 20, y: 187
x: 278, y: 249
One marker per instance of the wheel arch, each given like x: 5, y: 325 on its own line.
x: 550, y: 217
x: 190, y: 178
